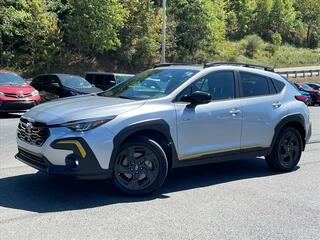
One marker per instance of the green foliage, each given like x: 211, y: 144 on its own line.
x: 276, y: 39
x: 282, y: 18
x: 198, y: 28
x: 309, y: 14
x: 45, y: 35
x: 141, y: 35
x: 261, y: 18
x: 240, y: 14
x: 92, y: 26
x: 251, y: 45
x: 29, y: 33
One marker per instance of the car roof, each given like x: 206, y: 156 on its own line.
x: 100, y: 73
x: 226, y: 67
x: 57, y: 74
x: 5, y: 71
x: 190, y: 67
x: 109, y: 73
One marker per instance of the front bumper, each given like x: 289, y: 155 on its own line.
x: 88, y: 166
x: 17, y: 106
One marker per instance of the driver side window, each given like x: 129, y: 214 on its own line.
x: 221, y: 86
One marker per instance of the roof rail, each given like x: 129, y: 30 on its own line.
x: 169, y: 64
x: 249, y: 65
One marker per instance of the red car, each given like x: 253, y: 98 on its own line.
x: 15, y: 94
x: 315, y: 94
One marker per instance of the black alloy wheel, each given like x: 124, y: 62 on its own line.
x: 287, y: 151
x: 140, y: 167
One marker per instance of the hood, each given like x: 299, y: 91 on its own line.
x: 21, y: 89
x: 88, y: 90
x: 80, y: 107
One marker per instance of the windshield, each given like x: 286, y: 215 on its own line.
x: 74, y: 82
x: 11, y: 79
x: 153, y: 83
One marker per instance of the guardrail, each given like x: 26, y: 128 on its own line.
x: 300, y: 73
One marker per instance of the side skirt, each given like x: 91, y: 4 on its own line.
x: 223, y: 157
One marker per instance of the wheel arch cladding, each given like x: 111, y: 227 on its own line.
x: 157, y: 130
x: 295, y: 121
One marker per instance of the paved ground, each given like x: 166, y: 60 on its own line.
x: 234, y: 200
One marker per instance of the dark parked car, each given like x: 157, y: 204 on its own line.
x: 315, y: 94
x: 105, y: 80
x: 315, y: 86
x: 53, y: 86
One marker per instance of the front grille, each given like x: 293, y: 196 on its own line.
x: 17, y: 95
x: 17, y: 105
x: 33, y: 133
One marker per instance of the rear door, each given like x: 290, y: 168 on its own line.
x: 261, y: 105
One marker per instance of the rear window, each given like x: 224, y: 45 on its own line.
x: 278, y: 85
x: 254, y: 85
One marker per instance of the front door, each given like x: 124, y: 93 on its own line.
x: 213, y: 128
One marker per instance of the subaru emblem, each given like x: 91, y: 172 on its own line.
x: 29, y: 126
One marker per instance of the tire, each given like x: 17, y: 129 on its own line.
x: 141, y: 167
x: 286, y: 152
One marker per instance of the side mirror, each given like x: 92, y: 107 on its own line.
x: 199, y: 97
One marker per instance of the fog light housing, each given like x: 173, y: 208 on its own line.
x: 72, y: 161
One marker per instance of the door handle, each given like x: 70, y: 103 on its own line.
x: 234, y: 112
x: 276, y: 105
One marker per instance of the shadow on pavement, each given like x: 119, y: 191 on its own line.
x: 40, y: 193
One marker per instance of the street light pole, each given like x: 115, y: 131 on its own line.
x: 164, y: 16
x: 1, y: 49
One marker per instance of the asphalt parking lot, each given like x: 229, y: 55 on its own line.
x: 233, y: 200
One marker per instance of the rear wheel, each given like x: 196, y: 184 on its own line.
x: 287, y: 151
x: 141, y: 167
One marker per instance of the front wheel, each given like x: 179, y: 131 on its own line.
x: 141, y: 167
x: 287, y: 151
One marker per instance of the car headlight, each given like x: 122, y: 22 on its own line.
x: 34, y: 93
x: 1, y: 94
x: 87, y: 124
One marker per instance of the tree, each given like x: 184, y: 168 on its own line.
x: 92, y: 26
x: 141, y: 35
x: 240, y: 13
x: 309, y: 14
x: 198, y: 28
x: 261, y: 18
x: 29, y: 33
x: 282, y: 18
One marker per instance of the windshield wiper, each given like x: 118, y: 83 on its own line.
x: 124, y: 97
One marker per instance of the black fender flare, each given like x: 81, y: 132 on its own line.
x: 295, y: 118
x: 156, y: 124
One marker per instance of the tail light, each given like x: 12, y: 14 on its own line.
x: 302, y: 98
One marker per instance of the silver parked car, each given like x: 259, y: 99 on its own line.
x: 168, y: 117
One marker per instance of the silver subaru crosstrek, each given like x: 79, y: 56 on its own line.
x: 168, y: 117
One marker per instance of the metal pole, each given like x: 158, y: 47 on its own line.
x: 164, y: 16
x: 1, y: 50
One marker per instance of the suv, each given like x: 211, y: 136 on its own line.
x: 168, y: 117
